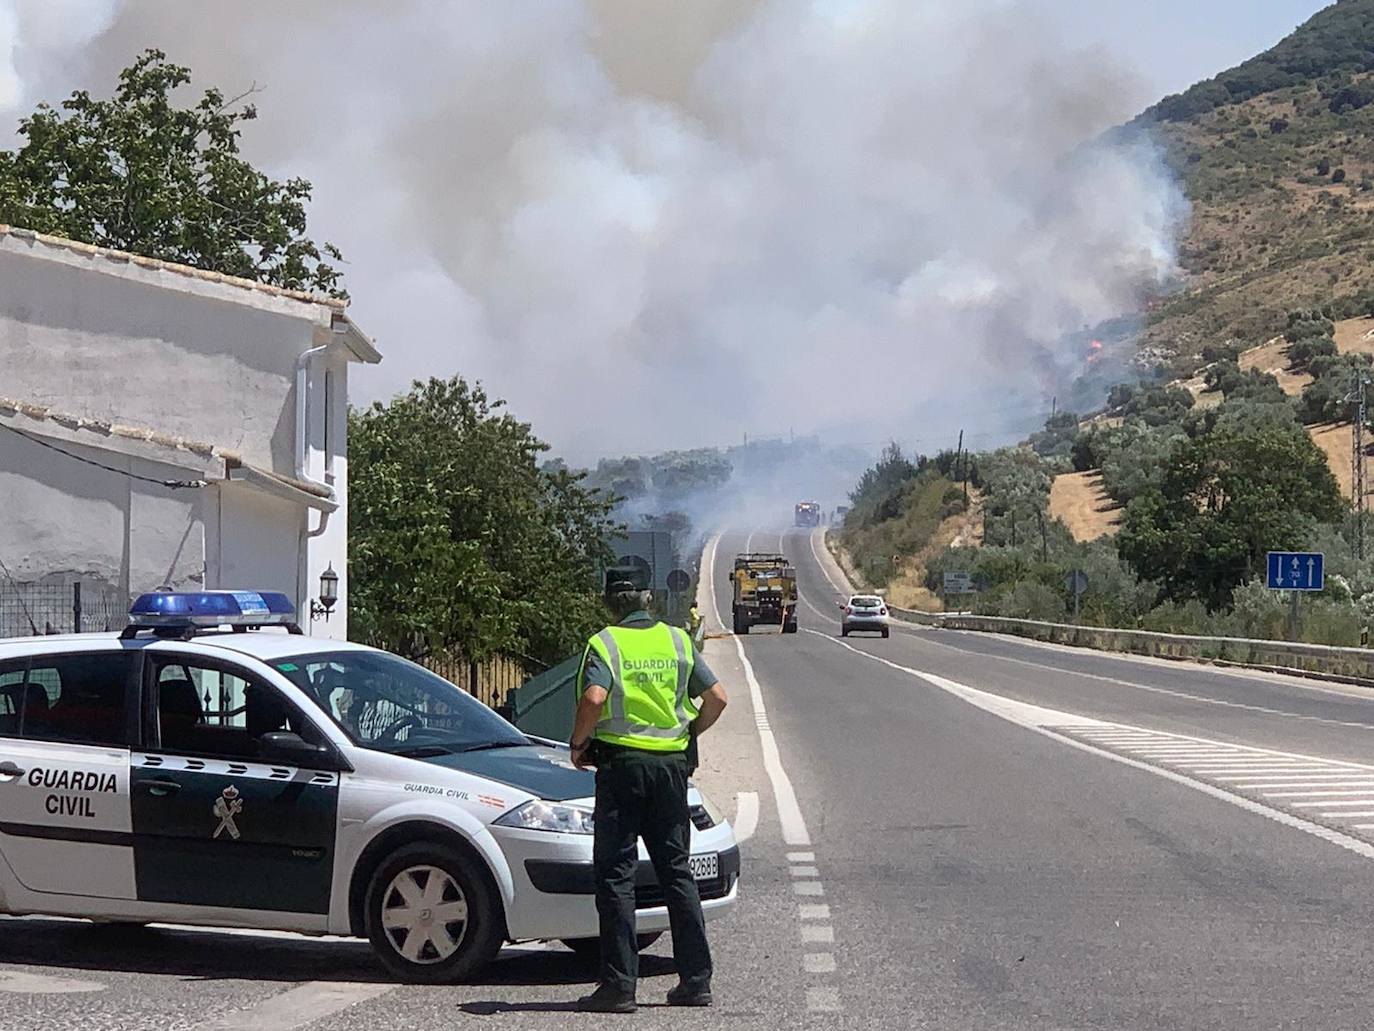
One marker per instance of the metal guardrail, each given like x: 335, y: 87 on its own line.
x: 1317, y: 659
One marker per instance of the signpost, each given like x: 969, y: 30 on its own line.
x: 1076, y: 583
x: 959, y: 583
x: 1296, y: 571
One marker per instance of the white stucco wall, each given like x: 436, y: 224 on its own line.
x: 109, y: 341
x: 62, y: 521
x: 154, y: 348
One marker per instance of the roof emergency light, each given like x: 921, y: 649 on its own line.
x: 188, y: 609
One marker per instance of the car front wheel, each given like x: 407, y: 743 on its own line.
x: 431, y: 916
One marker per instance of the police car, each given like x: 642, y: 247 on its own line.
x: 210, y: 765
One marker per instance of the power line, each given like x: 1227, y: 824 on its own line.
x: 171, y: 484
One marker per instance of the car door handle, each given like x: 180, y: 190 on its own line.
x: 160, y: 788
x: 8, y: 769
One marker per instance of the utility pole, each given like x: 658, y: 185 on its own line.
x: 1054, y: 407
x: 1358, y: 396
x: 963, y: 467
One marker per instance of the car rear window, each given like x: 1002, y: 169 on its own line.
x: 867, y: 603
x: 79, y: 699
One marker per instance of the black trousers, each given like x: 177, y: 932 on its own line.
x: 644, y: 795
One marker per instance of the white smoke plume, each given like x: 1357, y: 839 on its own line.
x: 663, y: 224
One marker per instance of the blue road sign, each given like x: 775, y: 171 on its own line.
x: 1296, y: 571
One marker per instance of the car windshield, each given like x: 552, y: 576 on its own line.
x: 383, y: 702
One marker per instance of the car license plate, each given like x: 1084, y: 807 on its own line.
x: 705, y: 867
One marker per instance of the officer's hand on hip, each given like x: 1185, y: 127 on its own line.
x: 579, y: 753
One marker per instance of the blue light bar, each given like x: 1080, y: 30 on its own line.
x: 213, y: 608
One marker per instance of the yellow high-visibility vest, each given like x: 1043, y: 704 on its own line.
x: 647, y: 706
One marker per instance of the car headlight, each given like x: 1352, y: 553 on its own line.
x: 712, y: 810
x: 548, y: 816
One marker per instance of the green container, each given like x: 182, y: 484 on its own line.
x: 545, y: 705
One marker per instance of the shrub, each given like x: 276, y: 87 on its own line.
x: 1302, y: 352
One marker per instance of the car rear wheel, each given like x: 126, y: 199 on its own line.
x: 588, y: 950
x: 431, y: 916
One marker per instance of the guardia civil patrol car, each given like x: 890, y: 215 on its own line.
x: 210, y: 765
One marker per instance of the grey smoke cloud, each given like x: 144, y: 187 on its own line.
x: 658, y: 225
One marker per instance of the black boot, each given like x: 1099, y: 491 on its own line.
x: 687, y: 995
x: 607, y: 1000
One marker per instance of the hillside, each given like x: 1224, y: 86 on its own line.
x: 1277, y: 158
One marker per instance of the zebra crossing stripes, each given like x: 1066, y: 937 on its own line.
x: 1333, y: 792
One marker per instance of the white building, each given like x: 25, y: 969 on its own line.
x: 120, y: 375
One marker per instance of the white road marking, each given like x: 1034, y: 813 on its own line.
x: 1271, y: 785
x: 1288, y: 778
x: 1084, y: 733
x: 821, y: 563
x: 746, y: 815
x: 21, y: 982
x: 1367, y: 800
x: 1205, y: 699
x: 708, y: 581
x: 823, y: 1000
x: 794, y: 830
x: 802, y: 863
x: 1318, y: 794
x: 297, y: 1007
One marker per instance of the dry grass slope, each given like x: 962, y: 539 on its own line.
x: 1079, y: 501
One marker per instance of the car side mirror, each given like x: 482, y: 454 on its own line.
x: 285, y: 746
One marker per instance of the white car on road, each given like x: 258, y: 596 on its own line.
x: 864, y: 612
x: 208, y: 767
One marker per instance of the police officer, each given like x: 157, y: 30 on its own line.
x: 644, y: 692
x: 693, y: 620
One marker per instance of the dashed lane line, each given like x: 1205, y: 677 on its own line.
x: 813, y: 927
x: 21, y: 982
x: 794, y: 830
x: 1266, y: 710
x: 297, y: 1007
x: 1115, y: 741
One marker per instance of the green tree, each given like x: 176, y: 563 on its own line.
x: 879, y: 493
x: 460, y: 542
x: 138, y: 173
x: 1224, y: 501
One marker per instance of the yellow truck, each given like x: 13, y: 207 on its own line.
x: 765, y: 592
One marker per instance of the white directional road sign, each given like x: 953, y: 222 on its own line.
x: 959, y: 583
x: 1296, y: 571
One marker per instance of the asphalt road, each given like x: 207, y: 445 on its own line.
x: 953, y: 831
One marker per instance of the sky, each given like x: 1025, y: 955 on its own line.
x: 663, y: 225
